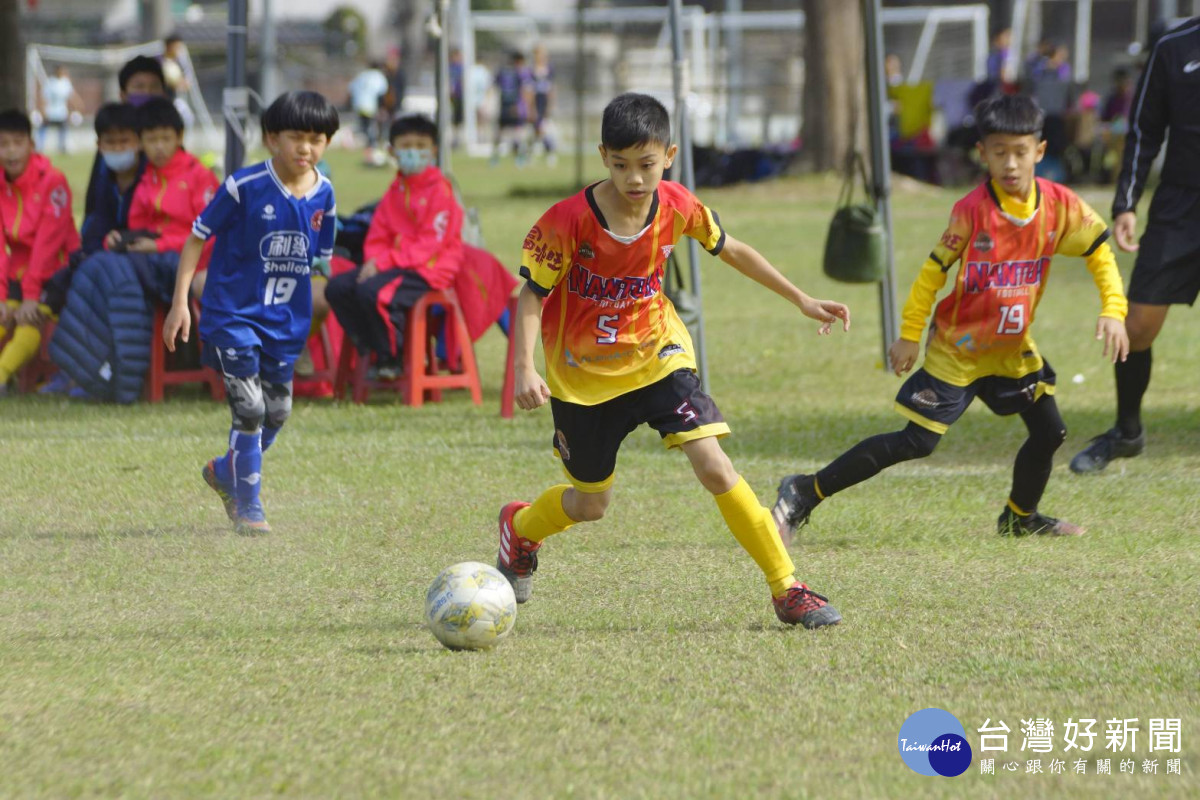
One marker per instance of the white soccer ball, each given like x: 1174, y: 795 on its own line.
x: 470, y: 606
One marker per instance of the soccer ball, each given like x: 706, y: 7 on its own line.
x: 470, y: 606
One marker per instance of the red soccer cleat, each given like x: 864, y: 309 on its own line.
x: 517, y: 560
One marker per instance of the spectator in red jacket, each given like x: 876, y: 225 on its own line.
x: 39, y: 233
x: 414, y: 245
x: 171, y: 193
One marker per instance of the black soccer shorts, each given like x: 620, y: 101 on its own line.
x: 935, y: 404
x: 1167, y: 270
x: 587, y: 438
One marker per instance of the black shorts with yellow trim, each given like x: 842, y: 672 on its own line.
x: 935, y: 404
x: 587, y: 438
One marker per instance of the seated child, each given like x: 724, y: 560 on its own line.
x: 120, y: 151
x: 171, y: 193
x: 414, y: 245
x: 35, y: 214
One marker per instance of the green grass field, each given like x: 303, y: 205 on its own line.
x: 147, y: 651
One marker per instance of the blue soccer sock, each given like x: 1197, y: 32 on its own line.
x: 268, y: 436
x: 245, y: 462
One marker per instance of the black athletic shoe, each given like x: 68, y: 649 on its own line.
x: 1104, y: 448
x: 795, y: 502
x: 1013, y: 524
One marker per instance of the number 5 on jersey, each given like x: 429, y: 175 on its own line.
x: 279, y: 290
x: 605, y: 323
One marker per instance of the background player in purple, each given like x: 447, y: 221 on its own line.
x: 271, y: 220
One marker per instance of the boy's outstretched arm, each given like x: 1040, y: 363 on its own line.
x: 531, y: 390
x: 179, y: 318
x: 1110, y: 327
x: 751, y: 263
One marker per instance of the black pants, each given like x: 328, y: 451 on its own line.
x: 374, y: 311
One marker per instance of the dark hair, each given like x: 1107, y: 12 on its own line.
x: 301, y: 111
x: 140, y: 64
x: 631, y: 119
x: 158, y: 112
x: 14, y: 120
x: 413, y: 123
x: 116, y: 116
x: 172, y: 39
x: 1012, y: 114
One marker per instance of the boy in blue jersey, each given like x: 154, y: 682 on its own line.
x: 271, y: 221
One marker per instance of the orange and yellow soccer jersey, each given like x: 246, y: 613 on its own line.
x: 1004, y: 248
x: 607, y: 327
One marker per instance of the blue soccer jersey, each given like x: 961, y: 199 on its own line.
x: 258, y: 291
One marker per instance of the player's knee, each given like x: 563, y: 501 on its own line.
x: 716, y: 475
x: 247, y: 403
x: 248, y: 416
x: 277, y: 409
x: 1057, y: 437
x: 919, y: 442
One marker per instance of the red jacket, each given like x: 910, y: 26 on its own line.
x: 418, y: 225
x: 168, y: 200
x: 35, y: 210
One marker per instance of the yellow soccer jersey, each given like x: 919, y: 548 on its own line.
x: 1003, y: 249
x: 607, y: 327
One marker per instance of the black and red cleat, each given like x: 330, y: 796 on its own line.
x: 517, y: 560
x: 801, y: 606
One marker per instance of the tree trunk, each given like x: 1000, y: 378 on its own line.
x: 12, y: 56
x: 835, y: 112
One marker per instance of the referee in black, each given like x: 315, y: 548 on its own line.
x: 1167, y: 271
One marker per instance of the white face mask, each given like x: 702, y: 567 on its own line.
x: 413, y: 161
x: 119, y: 160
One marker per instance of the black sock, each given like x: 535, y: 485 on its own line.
x: 1031, y: 470
x: 870, y: 456
x: 1133, y: 376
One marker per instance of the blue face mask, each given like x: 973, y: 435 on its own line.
x: 413, y: 161
x: 119, y: 160
x: 139, y: 99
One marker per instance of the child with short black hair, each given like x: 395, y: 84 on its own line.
x: 1003, y: 236
x: 413, y: 246
x: 618, y: 356
x: 270, y: 220
x: 35, y: 214
x: 173, y: 189
x: 120, y: 151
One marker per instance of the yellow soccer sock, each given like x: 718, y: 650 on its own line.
x: 545, y: 517
x: 24, y: 345
x: 754, y: 528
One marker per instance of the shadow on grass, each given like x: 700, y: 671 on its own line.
x: 976, y: 439
x: 53, y: 534
x: 267, y: 635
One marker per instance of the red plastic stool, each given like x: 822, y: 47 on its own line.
x: 159, y: 376
x: 423, y: 373
x: 509, y: 390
